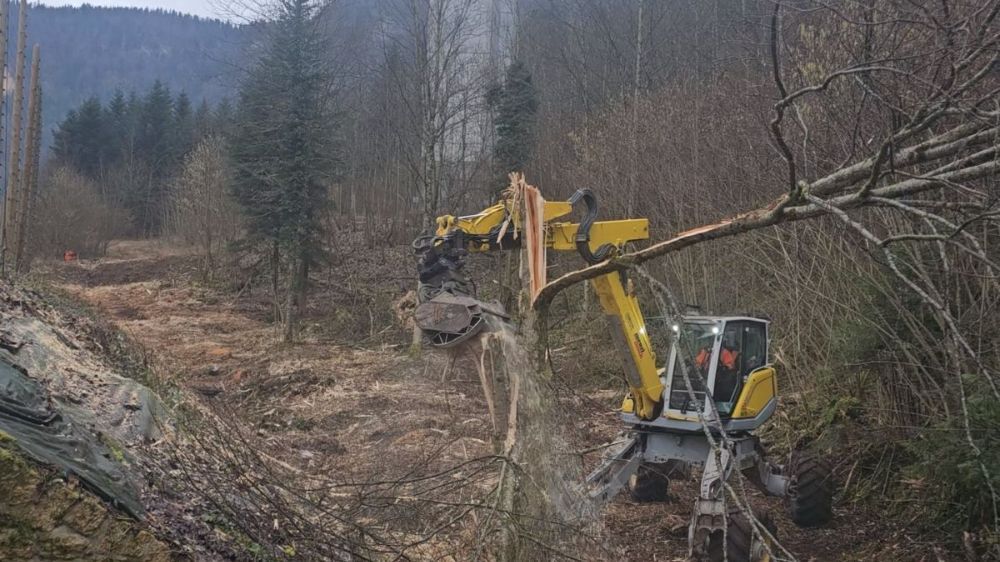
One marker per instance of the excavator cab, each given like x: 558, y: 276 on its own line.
x: 721, y: 354
x: 719, y: 358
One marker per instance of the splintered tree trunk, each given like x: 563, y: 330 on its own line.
x: 14, y: 166
x: 544, y: 512
x: 509, y: 281
x: 4, y: 13
x: 29, y: 179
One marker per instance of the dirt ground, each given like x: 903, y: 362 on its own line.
x: 334, y: 405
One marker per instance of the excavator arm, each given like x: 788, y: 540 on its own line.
x: 450, y: 313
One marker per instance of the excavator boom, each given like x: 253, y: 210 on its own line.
x: 450, y: 313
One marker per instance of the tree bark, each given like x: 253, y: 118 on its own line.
x: 29, y: 179
x: 296, y: 291
x: 537, y: 488
x: 528, y: 511
x: 14, y: 163
x: 4, y: 18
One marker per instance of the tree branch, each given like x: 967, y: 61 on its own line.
x: 777, y: 212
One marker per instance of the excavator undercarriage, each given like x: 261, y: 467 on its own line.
x: 696, y: 409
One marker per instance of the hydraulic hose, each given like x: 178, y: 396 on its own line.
x: 583, y: 233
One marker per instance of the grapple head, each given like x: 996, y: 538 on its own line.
x: 449, y: 313
x: 448, y: 320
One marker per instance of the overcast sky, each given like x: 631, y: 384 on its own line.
x: 203, y: 8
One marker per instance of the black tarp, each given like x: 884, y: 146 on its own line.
x: 53, y: 437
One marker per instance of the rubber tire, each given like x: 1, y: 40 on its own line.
x: 739, y: 538
x: 649, y: 484
x: 810, y: 490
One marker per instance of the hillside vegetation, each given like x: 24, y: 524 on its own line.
x: 94, y: 51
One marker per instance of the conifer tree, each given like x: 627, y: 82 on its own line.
x: 284, y: 149
x: 202, y: 122
x: 81, y: 140
x: 117, y: 125
x: 133, y: 148
x: 183, y: 127
x: 155, y: 130
x: 155, y: 144
x: 118, y: 106
x: 223, y: 118
x: 515, y: 105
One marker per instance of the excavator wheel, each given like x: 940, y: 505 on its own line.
x: 741, y: 544
x: 810, y: 490
x: 649, y: 484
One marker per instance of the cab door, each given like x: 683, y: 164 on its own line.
x: 758, y: 382
x: 743, y: 351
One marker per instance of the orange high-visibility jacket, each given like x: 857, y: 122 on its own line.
x: 727, y: 358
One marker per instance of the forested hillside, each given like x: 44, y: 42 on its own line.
x: 93, y: 51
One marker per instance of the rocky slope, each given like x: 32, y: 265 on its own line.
x: 68, y: 421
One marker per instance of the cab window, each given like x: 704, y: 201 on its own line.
x: 697, y: 341
x: 744, y: 349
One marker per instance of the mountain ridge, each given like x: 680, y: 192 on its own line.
x: 90, y: 51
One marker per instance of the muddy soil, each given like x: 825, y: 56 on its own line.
x: 351, y: 401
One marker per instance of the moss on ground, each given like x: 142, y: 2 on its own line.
x: 44, y: 517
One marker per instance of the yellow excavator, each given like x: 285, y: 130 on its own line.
x: 695, y: 406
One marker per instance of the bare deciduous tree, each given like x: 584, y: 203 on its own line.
x: 203, y: 211
x: 72, y: 216
x: 435, y: 79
